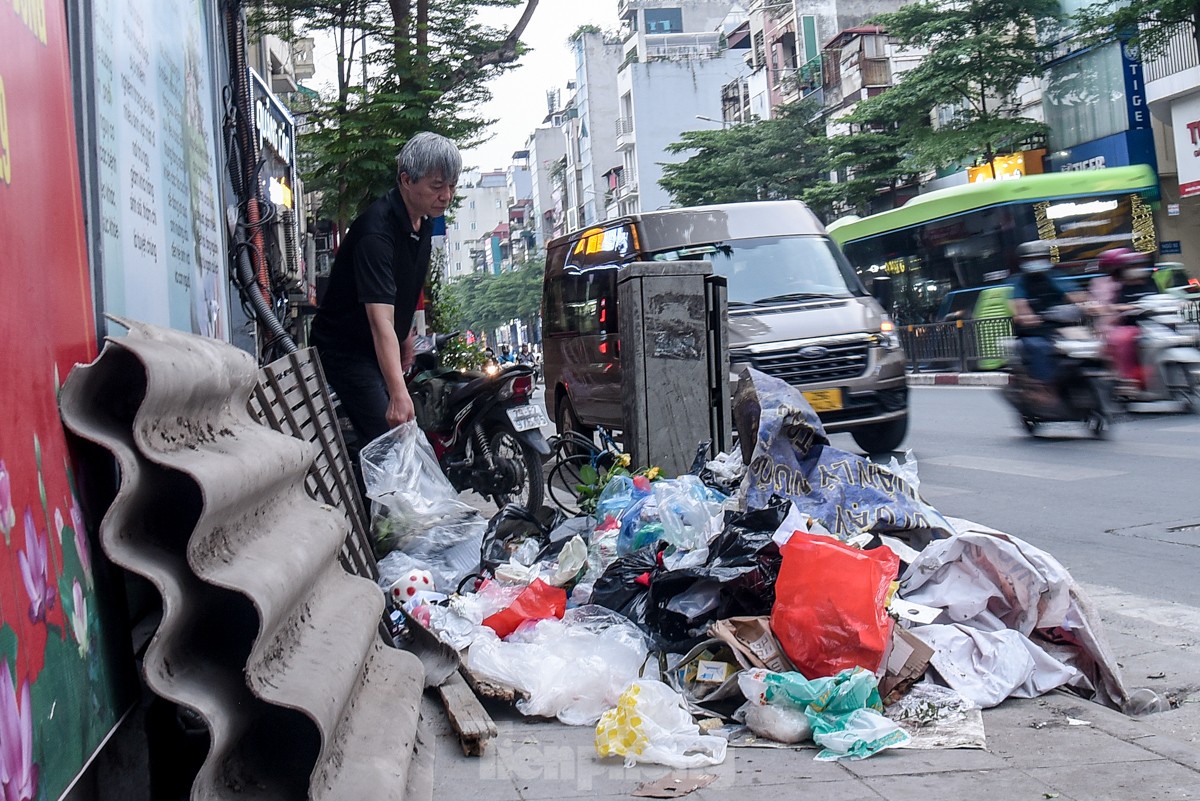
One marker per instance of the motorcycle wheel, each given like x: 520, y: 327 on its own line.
x: 511, y: 454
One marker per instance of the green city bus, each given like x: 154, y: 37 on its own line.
x: 967, y: 236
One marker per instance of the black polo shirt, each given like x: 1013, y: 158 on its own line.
x: 381, y: 260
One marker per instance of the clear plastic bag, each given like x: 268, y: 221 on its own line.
x: 573, y: 669
x: 690, y: 512
x: 651, y: 724
x: 400, y: 470
x: 415, y: 508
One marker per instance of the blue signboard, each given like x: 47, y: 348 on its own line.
x: 1170, y: 247
x: 1135, y: 89
x: 1119, y: 150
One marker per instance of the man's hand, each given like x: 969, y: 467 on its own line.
x: 400, y: 408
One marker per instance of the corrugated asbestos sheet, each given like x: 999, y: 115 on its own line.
x: 263, y: 634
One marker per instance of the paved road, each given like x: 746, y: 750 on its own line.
x: 1121, y: 513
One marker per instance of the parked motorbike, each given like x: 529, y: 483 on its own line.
x: 1168, y: 355
x: 1083, y: 391
x: 484, y: 430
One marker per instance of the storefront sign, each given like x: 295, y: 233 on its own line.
x: 274, y: 122
x: 1119, y: 150
x: 1007, y: 168
x: 1170, y: 247
x: 61, y: 645
x: 1135, y: 89
x: 1172, y: 209
x: 1185, y: 122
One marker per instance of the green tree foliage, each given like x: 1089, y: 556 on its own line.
x: 490, y: 301
x: 871, y: 155
x: 978, y: 53
x: 1147, y: 24
x: 765, y: 159
x: 402, y: 66
x: 445, y: 315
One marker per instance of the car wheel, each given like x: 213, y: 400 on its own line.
x: 881, y: 437
x: 568, y: 423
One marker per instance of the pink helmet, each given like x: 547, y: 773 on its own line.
x: 1114, y: 258
x: 1134, y: 258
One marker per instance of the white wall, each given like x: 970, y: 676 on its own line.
x: 596, y: 77
x: 546, y: 148
x: 667, y: 97
x: 480, y: 210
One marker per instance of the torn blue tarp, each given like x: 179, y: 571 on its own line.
x: 792, y: 457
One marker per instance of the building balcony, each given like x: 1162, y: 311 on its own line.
x: 1180, y: 55
x: 683, y: 46
x: 625, y: 133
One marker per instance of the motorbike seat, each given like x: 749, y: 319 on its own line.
x: 464, y: 391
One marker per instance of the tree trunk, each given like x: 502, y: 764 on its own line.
x: 401, y: 19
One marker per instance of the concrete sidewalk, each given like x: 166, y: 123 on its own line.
x: 1057, y: 746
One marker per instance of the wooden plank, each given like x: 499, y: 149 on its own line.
x: 486, y: 689
x: 470, y: 721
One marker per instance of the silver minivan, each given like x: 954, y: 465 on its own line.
x: 797, y: 311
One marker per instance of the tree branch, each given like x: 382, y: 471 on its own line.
x: 506, y: 53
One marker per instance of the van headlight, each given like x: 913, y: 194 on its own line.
x: 889, y: 337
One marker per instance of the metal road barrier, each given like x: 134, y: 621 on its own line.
x: 962, y: 345
x: 970, y: 345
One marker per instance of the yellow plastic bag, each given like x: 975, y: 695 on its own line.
x: 651, y: 724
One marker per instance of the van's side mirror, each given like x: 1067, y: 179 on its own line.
x: 881, y: 290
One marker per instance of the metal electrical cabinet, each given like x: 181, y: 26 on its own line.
x: 674, y: 362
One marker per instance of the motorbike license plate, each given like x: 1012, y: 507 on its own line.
x: 524, y: 418
x: 824, y: 400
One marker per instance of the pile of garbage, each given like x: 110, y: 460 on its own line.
x: 791, y: 593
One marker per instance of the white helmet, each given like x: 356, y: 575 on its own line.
x: 1034, y: 256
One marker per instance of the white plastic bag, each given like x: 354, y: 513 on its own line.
x: 778, y: 723
x: 651, y: 724
x: 573, y: 669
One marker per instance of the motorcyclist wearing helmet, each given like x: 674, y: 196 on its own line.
x: 1035, y: 292
x: 1132, y: 275
x: 1105, y: 288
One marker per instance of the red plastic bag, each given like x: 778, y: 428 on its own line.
x: 830, y: 601
x: 537, y: 601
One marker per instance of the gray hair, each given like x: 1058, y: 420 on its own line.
x: 429, y: 153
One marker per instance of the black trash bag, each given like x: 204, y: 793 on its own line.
x: 737, y: 579
x: 513, y: 526
x: 625, y: 586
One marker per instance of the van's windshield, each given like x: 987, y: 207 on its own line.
x: 777, y: 269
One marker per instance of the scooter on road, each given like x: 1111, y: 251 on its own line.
x: 1168, y: 357
x: 1083, y: 389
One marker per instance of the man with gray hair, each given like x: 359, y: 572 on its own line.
x: 363, y: 329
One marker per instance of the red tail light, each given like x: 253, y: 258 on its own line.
x: 522, y: 387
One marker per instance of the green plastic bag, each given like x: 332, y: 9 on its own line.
x: 844, y: 711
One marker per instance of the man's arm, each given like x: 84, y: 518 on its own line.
x: 1023, y: 313
x: 407, y: 348
x: 382, y: 317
